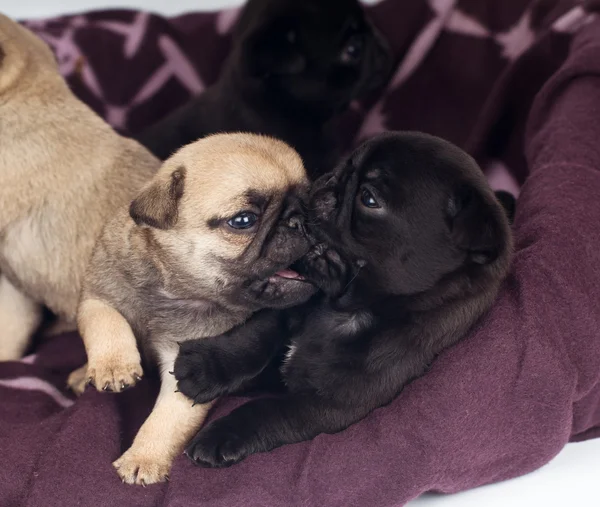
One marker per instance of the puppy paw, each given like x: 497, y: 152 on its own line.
x: 77, y: 380
x: 196, y: 375
x: 217, y: 446
x: 142, y: 469
x: 114, y: 373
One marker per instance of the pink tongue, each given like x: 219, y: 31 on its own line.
x: 288, y: 273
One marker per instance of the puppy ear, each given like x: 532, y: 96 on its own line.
x: 474, y: 225
x: 275, y: 51
x: 158, y: 204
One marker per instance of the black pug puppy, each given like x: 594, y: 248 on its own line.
x: 293, y: 66
x: 412, y: 247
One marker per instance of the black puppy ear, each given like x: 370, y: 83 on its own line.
x: 275, y: 51
x: 474, y: 226
x: 158, y: 204
x: 508, y: 202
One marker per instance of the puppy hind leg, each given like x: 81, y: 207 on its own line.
x: 264, y: 424
x: 163, y: 436
x: 114, y: 361
x: 20, y: 317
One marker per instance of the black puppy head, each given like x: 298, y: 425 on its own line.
x: 316, y: 55
x: 406, y: 210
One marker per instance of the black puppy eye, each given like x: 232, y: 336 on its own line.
x: 367, y: 199
x: 291, y: 36
x: 243, y: 220
x: 352, y: 50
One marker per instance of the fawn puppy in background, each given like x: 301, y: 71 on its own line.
x: 204, y: 245
x: 411, y: 248
x: 63, y: 172
x: 293, y: 67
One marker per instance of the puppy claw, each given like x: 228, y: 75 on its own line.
x: 142, y: 469
x: 114, y: 374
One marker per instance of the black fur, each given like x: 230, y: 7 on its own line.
x: 401, y: 282
x: 288, y: 74
x: 509, y: 203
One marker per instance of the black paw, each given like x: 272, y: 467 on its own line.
x: 217, y: 446
x: 326, y: 266
x: 196, y: 375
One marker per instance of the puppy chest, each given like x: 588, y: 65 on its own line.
x: 329, y: 343
x: 188, y: 320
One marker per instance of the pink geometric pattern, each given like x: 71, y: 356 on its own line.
x: 37, y: 384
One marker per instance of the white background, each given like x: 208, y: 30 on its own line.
x: 572, y: 479
x: 40, y: 8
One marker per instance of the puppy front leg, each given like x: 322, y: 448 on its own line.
x: 209, y: 368
x: 114, y: 361
x: 20, y: 316
x: 264, y: 424
x: 163, y: 436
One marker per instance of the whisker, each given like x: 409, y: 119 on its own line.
x: 353, y: 278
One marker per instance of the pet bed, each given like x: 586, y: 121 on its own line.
x: 515, y: 83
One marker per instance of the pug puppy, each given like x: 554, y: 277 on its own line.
x: 206, y: 243
x: 412, y: 248
x: 63, y: 172
x: 293, y: 67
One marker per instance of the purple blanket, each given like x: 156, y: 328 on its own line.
x: 517, y: 83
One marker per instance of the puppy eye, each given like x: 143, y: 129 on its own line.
x: 244, y: 220
x: 352, y: 50
x: 367, y: 199
x: 291, y: 36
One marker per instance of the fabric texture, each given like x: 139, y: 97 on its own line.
x: 517, y: 84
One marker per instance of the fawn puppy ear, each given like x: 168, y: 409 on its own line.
x: 158, y: 203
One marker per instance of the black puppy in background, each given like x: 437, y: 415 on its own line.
x: 412, y: 247
x: 294, y: 65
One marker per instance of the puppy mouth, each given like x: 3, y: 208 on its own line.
x: 287, y: 274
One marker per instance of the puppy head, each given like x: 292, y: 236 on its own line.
x: 320, y: 55
x: 22, y: 56
x: 226, y: 217
x: 403, y: 213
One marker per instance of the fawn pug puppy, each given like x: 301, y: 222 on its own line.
x: 412, y: 247
x: 204, y: 245
x: 63, y: 172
